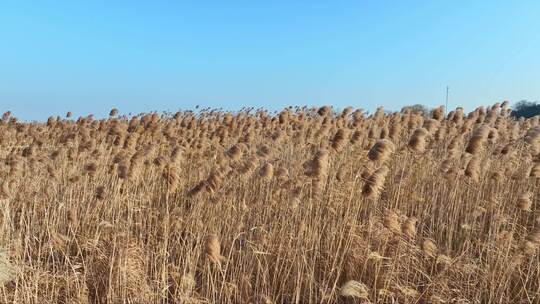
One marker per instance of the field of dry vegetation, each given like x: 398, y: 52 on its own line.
x: 303, y: 206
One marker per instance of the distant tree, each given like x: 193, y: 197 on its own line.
x: 417, y: 108
x: 526, y: 109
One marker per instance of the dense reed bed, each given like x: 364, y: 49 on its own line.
x: 301, y: 206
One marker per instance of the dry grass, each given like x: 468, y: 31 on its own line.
x: 307, y: 206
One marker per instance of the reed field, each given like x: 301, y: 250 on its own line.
x: 302, y: 206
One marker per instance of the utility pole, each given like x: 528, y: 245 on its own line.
x: 446, y: 105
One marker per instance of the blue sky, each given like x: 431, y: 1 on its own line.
x: 90, y: 56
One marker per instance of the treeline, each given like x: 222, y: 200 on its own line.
x: 522, y: 108
x: 526, y: 109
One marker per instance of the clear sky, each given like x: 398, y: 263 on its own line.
x: 90, y: 56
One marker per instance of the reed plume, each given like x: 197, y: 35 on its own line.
x: 267, y: 171
x: 340, y: 139
x: 417, y: 142
x: 374, y: 183
x: 391, y: 221
x: 532, y: 137
x: 473, y: 169
x: 381, y: 150
x: 212, y: 249
x: 170, y: 175
x: 477, y: 141
x: 409, y: 227
x: 524, y: 202
x: 354, y: 289
x: 429, y: 248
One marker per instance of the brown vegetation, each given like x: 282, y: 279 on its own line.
x: 307, y: 206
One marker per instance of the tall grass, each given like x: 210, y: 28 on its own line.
x: 306, y: 206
